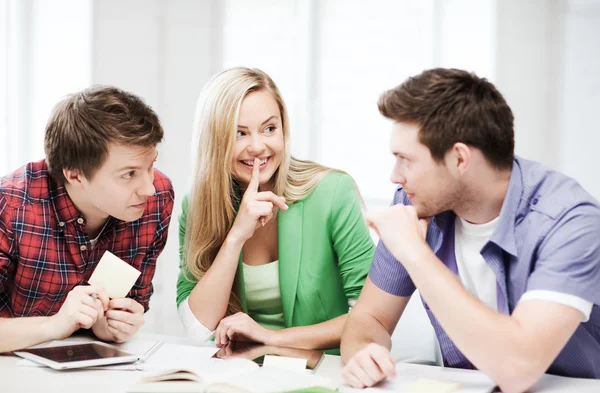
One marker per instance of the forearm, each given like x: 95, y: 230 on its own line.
x: 210, y: 297
x: 494, y: 343
x: 362, y: 329
x: 19, y: 333
x: 324, y: 335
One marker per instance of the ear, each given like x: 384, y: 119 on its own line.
x: 458, y: 158
x: 73, y: 176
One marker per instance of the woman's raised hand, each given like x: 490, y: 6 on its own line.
x: 257, y: 208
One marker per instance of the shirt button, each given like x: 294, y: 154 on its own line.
x: 83, y: 247
x: 80, y: 220
x: 61, y: 224
x: 535, y: 201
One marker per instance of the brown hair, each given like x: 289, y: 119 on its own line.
x: 84, y: 123
x: 451, y: 106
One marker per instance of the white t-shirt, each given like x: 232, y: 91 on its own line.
x: 479, y: 278
x: 476, y: 275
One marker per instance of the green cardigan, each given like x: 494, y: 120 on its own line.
x: 325, y: 252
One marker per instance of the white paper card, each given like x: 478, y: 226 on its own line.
x: 292, y: 364
x: 114, y: 275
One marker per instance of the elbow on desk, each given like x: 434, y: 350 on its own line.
x: 517, y: 376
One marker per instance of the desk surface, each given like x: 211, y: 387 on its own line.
x: 14, y: 378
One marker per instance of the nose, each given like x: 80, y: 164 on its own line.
x: 146, y: 188
x: 397, y: 177
x: 257, y: 145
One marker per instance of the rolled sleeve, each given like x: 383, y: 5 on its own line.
x: 194, y: 328
x: 569, y: 257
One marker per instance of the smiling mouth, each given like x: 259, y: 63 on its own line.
x: 250, y: 163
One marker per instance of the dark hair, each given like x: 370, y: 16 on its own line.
x: 451, y: 106
x: 83, y: 124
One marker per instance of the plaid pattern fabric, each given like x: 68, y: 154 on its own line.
x: 45, y: 252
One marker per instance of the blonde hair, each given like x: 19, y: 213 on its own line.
x: 214, y: 196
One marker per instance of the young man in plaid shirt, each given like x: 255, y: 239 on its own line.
x: 96, y: 190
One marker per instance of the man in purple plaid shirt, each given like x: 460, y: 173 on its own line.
x: 505, y: 252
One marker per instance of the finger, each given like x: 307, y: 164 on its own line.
x: 231, y: 334
x: 423, y: 224
x: 351, y: 379
x: 121, y: 326
x: 219, y: 341
x: 271, y: 197
x: 362, y: 371
x: 411, y: 211
x: 253, y: 185
x: 223, y: 335
x: 99, y: 308
x: 217, y: 334
x: 260, y: 209
x: 371, y: 369
x: 385, y: 361
x: 265, y: 219
x: 87, y: 289
x: 370, y: 220
x: 122, y: 316
x: 126, y: 303
x: 118, y: 336
x: 84, y: 320
x: 103, y: 298
x: 90, y: 311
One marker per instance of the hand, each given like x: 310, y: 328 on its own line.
x: 369, y: 366
x: 79, y: 311
x: 402, y: 232
x: 240, y: 327
x: 254, y: 206
x: 124, y: 318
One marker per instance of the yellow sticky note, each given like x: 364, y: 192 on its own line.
x: 424, y: 385
x: 292, y: 364
x: 114, y: 275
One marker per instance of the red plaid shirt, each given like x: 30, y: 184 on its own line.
x: 45, y: 252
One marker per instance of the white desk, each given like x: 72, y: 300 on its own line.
x: 14, y: 378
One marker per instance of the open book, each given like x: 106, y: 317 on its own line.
x: 229, y: 376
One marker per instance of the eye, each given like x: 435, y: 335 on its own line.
x: 240, y: 134
x: 128, y: 175
x: 270, y: 129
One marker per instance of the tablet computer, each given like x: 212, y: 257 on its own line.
x: 77, y: 355
x: 257, y: 353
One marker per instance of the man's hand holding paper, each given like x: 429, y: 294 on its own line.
x: 124, y: 316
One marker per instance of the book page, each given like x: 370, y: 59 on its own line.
x: 271, y: 380
x: 445, y: 378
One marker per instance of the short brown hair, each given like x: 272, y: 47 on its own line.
x: 451, y: 106
x: 84, y: 123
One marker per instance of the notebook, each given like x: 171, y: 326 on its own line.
x: 229, y: 376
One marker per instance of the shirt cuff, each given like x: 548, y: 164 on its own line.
x: 563, y: 298
x: 196, y: 330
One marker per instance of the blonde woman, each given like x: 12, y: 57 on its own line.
x: 273, y: 249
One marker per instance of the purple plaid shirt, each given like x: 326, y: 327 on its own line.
x: 547, y: 238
